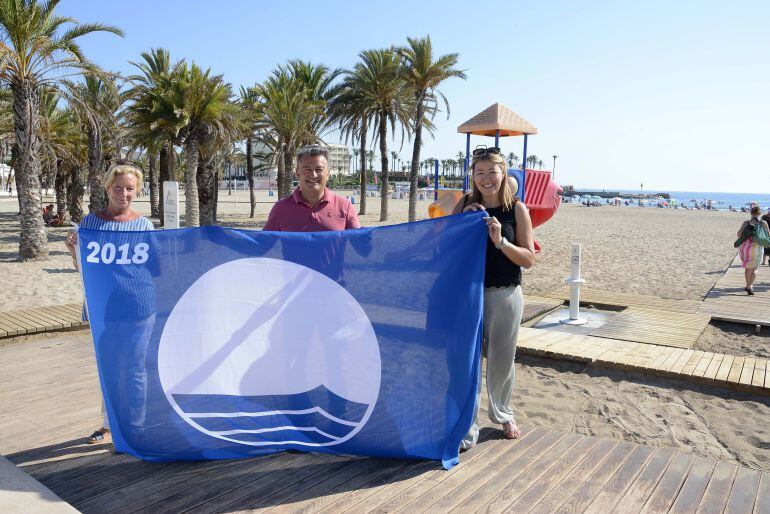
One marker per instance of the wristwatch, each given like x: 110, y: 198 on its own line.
x: 503, y: 242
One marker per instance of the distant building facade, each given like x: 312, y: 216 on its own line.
x: 339, y: 160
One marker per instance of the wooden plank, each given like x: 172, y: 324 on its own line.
x: 669, y: 359
x: 22, y: 321
x: 703, y: 364
x: 744, y: 491
x: 615, y: 487
x: 677, y: 368
x: 694, y: 487
x: 735, y: 370
x: 662, y: 498
x: 762, y: 505
x: 747, y: 373
x: 713, y: 368
x: 638, y: 493
x: 724, y: 368
x: 452, y: 483
x: 512, y: 489
x: 758, y: 379
x: 692, y: 362
x: 41, y: 325
x: 585, y: 494
x: 576, y: 477
x: 548, y: 480
x: 487, y: 486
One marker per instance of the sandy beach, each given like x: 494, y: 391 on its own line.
x: 661, y: 252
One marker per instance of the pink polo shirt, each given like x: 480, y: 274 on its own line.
x: 294, y: 214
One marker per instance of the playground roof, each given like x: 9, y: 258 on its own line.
x: 497, y: 117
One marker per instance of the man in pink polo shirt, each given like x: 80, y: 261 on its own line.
x: 312, y: 207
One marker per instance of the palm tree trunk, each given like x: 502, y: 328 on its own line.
x: 288, y: 166
x: 60, y: 185
x: 279, y: 176
x: 191, y: 207
x: 206, y: 189
x: 250, y: 177
x: 163, y: 158
x: 153, y: 161
x: 75, y: 192
x: 362, y: 206
x: 383, y: 129
x: 416, y: 158
x: 97, y: 200
x: 33, y: 242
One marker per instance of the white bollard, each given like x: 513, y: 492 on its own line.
x: 170, y: 204
x: 574, y: 282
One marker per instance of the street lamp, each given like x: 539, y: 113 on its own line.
x: 553, y: 171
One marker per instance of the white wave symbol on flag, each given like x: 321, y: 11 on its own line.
x: 303, y: 418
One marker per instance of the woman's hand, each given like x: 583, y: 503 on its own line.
x: 71, y: 243
x: 495, y: 229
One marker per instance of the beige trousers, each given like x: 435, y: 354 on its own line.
x: 503, y: 307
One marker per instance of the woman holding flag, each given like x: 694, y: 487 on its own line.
x: 121, y: 183
x: 510, y: 246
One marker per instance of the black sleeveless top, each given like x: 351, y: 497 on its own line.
x: 499, y: 270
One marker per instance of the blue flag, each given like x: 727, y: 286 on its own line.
x: 215, y: 343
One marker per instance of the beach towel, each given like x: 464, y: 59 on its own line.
x: 751, y: 254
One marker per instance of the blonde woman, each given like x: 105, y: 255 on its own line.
x: 751, y: 251
x: 510, y: 246
x: 122, y: 182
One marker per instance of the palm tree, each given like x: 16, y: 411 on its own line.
x: 95, y: 101
x: 292, y: 112
x: 386, y: 96
x: 196, y: 107
x: 350, y: 109
x: 424, y: 75
x: 142, y: 120
x: 249, y: 101
x: 36, y: 52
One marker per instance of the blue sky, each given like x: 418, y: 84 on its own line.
x: 672, y: 94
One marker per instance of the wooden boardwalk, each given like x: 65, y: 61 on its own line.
x: 727, y: 300
x: 622, y: 300
x: 535, y: 306
x: 666, y: 328
x: 41, y: 319
x: 49, y: 402
x: 715, y: 368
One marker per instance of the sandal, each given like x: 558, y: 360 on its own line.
x: 100, y: 436
x: 749, y: 291
x: 511, y: 431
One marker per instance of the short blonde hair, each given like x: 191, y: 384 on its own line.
x: 122, y: 169
x: 505, y: 194
x: 756, y: 210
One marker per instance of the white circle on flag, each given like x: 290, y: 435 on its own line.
x: 266, y: 352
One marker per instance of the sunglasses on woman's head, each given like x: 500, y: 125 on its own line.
x: 492, y: 150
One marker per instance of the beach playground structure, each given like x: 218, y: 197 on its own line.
x: 535, y: 188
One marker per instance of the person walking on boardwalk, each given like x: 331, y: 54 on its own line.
x: 122, y: 183
x: 510, y: 246
x: 766, y: 219
x: 750, y: 250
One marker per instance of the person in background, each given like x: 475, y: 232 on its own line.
x: 751, y: 251
x: 509, y: 247
x: 766, y: 219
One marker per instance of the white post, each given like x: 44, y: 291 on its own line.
x: 235, y: 197
x: 574, y: 282
x: 171, y: 204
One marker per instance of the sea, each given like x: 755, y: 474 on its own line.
x: 720, y: 201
